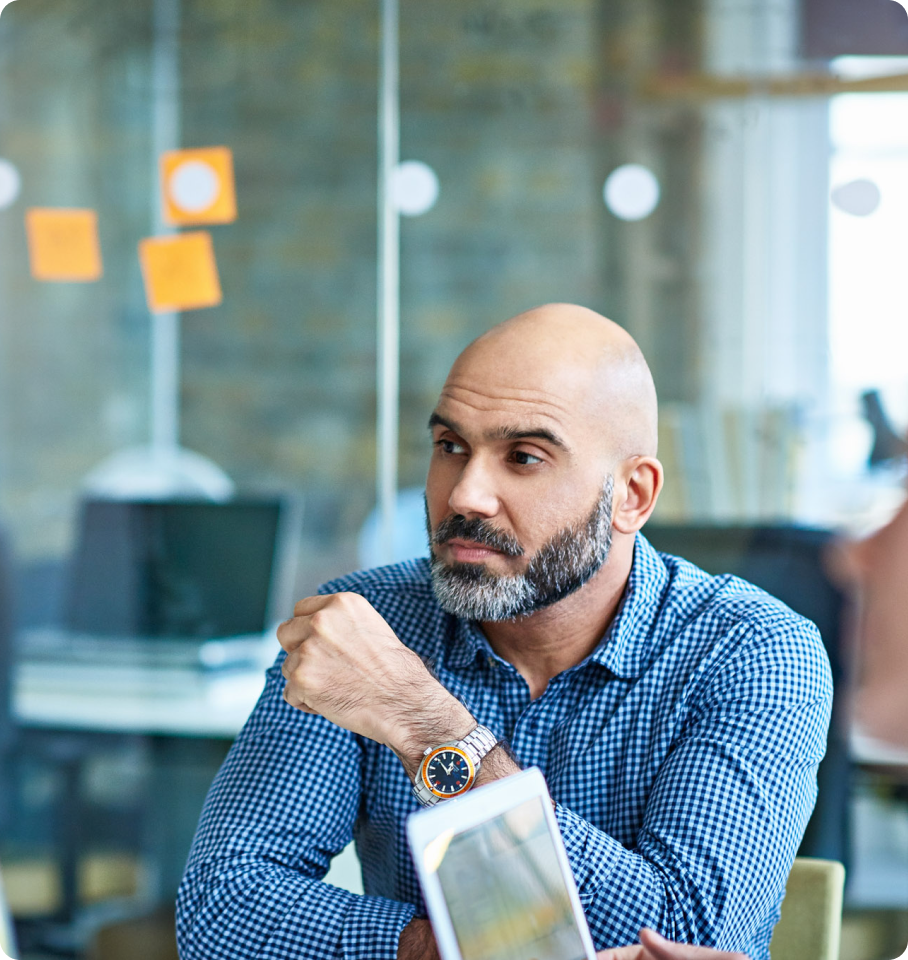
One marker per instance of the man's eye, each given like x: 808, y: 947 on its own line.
x: 526, y: 459
x: 449, y: 446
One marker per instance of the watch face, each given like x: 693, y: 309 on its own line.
x: 448, y: 772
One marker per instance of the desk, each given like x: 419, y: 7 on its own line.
x: 186, y: 736
x: 214, y: 714
x: 868, y: 752
x: 877, y: 879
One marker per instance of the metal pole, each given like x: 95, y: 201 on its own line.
x: 388, y: 372
x: 165, y: 135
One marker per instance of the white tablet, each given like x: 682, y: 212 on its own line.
x: 495, y: 876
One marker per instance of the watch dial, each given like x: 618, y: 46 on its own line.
x: 448, y: 773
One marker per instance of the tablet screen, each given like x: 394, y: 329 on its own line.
x: 505, y: 891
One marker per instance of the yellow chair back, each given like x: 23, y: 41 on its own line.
x: 7, y: 938
x: 811, y: 923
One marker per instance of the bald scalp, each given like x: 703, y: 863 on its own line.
x: 588, y: 358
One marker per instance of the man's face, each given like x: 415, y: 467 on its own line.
x: 517, y: 511
x: 564, y: 564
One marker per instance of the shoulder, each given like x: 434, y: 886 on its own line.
x: 734, y: 626
x: 691, y: 593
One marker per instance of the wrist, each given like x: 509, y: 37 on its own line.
x: 439, y: 720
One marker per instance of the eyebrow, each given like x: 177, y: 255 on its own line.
x: 505, y: 433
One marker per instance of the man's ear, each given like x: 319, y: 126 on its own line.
x: 641, y: 482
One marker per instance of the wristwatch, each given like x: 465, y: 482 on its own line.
x: 450, y: 769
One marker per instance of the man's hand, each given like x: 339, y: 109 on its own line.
x: 418, y: 943
x: 345, y: 663
x: 654, y: 947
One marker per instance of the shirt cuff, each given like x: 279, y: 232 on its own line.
x: 372, y: 928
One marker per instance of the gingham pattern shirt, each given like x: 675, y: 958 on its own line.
x: 682, y: 755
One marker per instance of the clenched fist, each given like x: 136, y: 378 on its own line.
x: 345, y: 663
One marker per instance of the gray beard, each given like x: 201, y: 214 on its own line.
x: 560, y: 567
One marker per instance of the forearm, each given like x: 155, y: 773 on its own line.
x: 282, y: 805
x: 622, y: 890
x: 236, y: 910
x: 710, y: 861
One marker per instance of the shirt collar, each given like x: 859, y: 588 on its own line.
x: 467, y: 643
x: 626, y: 647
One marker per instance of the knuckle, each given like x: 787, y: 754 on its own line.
x: 284, y: 634
x: 350, y: 601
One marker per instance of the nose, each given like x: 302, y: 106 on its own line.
x: 474, y: 493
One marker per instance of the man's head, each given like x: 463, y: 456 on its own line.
x: 544, y: 457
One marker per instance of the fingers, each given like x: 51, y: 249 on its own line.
x: 659, y: 948
x: 291, y: 633
x: 309, y: 605
x: 291, y: 694
x: 662, y: 949
x: 295, y: 631
x: 622, y: 953
x: 298, y: 704
x: 295, y: 700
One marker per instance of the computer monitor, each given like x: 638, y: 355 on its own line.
x: 179, y: 569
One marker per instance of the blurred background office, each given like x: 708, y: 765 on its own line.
x: 725, y: 178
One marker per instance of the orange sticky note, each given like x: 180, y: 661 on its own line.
x: 180, y: 272
x: 63, y: 243
x: 197, y: 186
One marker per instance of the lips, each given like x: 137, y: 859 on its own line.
x: 469, y: 551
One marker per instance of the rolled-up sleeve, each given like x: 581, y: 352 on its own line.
x: 729, y: 805
x: 282, y: 805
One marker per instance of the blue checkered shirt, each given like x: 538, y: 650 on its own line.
x: 682, y: 755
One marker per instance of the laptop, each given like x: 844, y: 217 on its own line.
x: 175, y: 583
x: 495, y: 876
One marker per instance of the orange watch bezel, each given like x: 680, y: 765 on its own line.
x: 424, y: 766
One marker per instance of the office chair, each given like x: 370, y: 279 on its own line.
x: 787, y: 562
x: 811, y: 923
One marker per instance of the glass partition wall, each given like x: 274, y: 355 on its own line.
x: 277, y: 383
x: 522, y: 110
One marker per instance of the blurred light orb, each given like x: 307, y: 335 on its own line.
x: 194, y: 186
x: 414, y: 188
x: 860, y: 198
x: 10, y: 184
x: 631, y: 191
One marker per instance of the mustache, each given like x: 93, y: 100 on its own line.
x: 479, y: 531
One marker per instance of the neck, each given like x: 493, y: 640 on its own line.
x: 559, y: 637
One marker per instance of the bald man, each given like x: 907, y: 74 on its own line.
x: 678, y: 718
